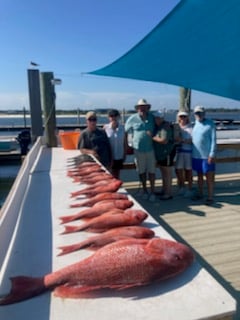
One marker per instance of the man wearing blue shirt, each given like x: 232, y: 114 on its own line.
x: 203, y: 152
x: 141, y: 126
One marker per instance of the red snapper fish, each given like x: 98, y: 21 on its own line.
x: 99, y: 197
x: 112, y: 235
x: 93, y: 186
x: 98, y: 209
x: 108, y: 221
x: 85, y: 171
x: 144, y: 261
x: 94, y: 178
x: 112, y: 186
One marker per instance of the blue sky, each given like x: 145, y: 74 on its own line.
x: 76, y: 36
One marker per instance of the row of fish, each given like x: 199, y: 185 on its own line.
x: 127, y: 254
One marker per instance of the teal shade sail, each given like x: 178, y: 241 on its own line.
x: 197, y: 46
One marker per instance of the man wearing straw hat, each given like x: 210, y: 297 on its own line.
x: 141, y: 126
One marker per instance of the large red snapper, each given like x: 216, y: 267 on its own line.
x: 99, y: 197
x: 112, y: 235
x: 84, y: 171
x: 119, y: 265
x: 112, y: 186
x: 107, y: 221
x: 94, y: 178
x: 98, y: 209
x: 94, y: 185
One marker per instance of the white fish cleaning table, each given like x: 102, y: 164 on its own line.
x: 30, y: 236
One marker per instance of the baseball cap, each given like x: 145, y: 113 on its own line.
x: 91, y: 114
x: 199, y: 109
x: 182, y: 113
x: 158, y: 114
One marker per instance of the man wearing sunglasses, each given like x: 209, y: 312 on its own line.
x: 203, y: 153
x: 94, y: 141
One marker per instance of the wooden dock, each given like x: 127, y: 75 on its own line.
x: 212, y: 231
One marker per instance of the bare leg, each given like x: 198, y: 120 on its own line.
x: 151, y: 177
x: 180, y: 177
x: 143, y: 179
x: 200, y: 183
x: 188, y: 175
x: 210, y: 183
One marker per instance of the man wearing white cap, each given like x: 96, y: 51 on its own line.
x: 141, y: 126
x: 203, y: 153
x: 163, y: 143
x: 183, y: 165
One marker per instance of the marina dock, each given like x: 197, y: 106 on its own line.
x: 212, y: 231
x: 208, y: 290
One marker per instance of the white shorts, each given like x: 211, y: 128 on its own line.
x: 145, y: 161
x: 184, y: 161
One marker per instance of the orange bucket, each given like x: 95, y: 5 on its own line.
x: 69, y: 140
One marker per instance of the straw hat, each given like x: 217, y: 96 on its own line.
x: 142, y: 102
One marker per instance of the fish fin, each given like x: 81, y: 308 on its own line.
x: 78, y: 291
x: 23, y: 288
x: 73, y: 291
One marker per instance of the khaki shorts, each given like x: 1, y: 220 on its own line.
x: 184, y: 160
x: 145, y: 161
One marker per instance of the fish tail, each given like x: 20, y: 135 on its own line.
x: 75, y: 194
x: 23, y: 288
x: 72, y: 248
x: 65, y: 219
x: 76, y: 179
x: 71, y: 229
x: 75, y: 205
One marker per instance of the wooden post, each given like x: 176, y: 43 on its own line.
x: 48, y: 101
x: 35, y: 103
x: 185, y: 99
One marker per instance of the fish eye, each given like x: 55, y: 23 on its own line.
x: 177, y: 257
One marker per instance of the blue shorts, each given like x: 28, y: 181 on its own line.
x: 202, y: 165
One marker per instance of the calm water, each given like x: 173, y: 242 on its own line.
x: 6, y: 180
x: 15, y: 121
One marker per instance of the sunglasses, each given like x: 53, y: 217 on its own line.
x: 182, y: 116
x: 92, y: 119
x: 199, y: 113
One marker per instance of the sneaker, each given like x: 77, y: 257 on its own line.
x: 152, y: 197
x: 188, y: 194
